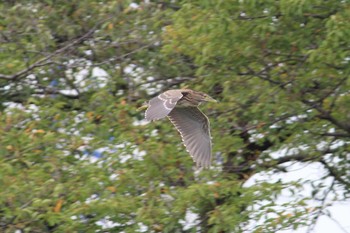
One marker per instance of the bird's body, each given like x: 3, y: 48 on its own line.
x: 181, y: 107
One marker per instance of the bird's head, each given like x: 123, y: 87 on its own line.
x: 202, y: 97
x: 194, y: 98
x: 208, y: 98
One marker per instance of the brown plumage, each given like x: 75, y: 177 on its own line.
x: 181, y: 107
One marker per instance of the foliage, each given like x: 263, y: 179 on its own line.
x: 76, y: 155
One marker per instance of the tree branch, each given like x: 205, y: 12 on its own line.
x: 46, y: 60
x: 325, y: 115
x: 336, y: 134
x: 320, y: 211
x: 332, y: 171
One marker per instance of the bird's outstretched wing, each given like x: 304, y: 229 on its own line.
x: 161, y: 105
x: 194, y: 128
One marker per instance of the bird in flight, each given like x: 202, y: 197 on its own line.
x: 181, y: 107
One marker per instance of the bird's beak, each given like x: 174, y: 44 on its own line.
x: 143, y: 107
x: 210, y: 99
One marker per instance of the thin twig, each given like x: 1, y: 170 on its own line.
x: 46, y: 60
x: 320, y: 211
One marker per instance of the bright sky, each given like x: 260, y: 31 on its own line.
x: 339, y: 219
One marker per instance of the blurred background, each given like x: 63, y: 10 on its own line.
x: 77, y: 156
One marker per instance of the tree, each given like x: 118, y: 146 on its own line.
x: 281, y: 70
x: 76, y: 155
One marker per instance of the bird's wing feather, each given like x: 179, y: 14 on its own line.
x: 161, y: 105
x: 194, y: 128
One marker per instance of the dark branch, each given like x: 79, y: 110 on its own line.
x: 326, y: 115
x: 336, y: 134
x: 46, y: 60
x: 333, y: 172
